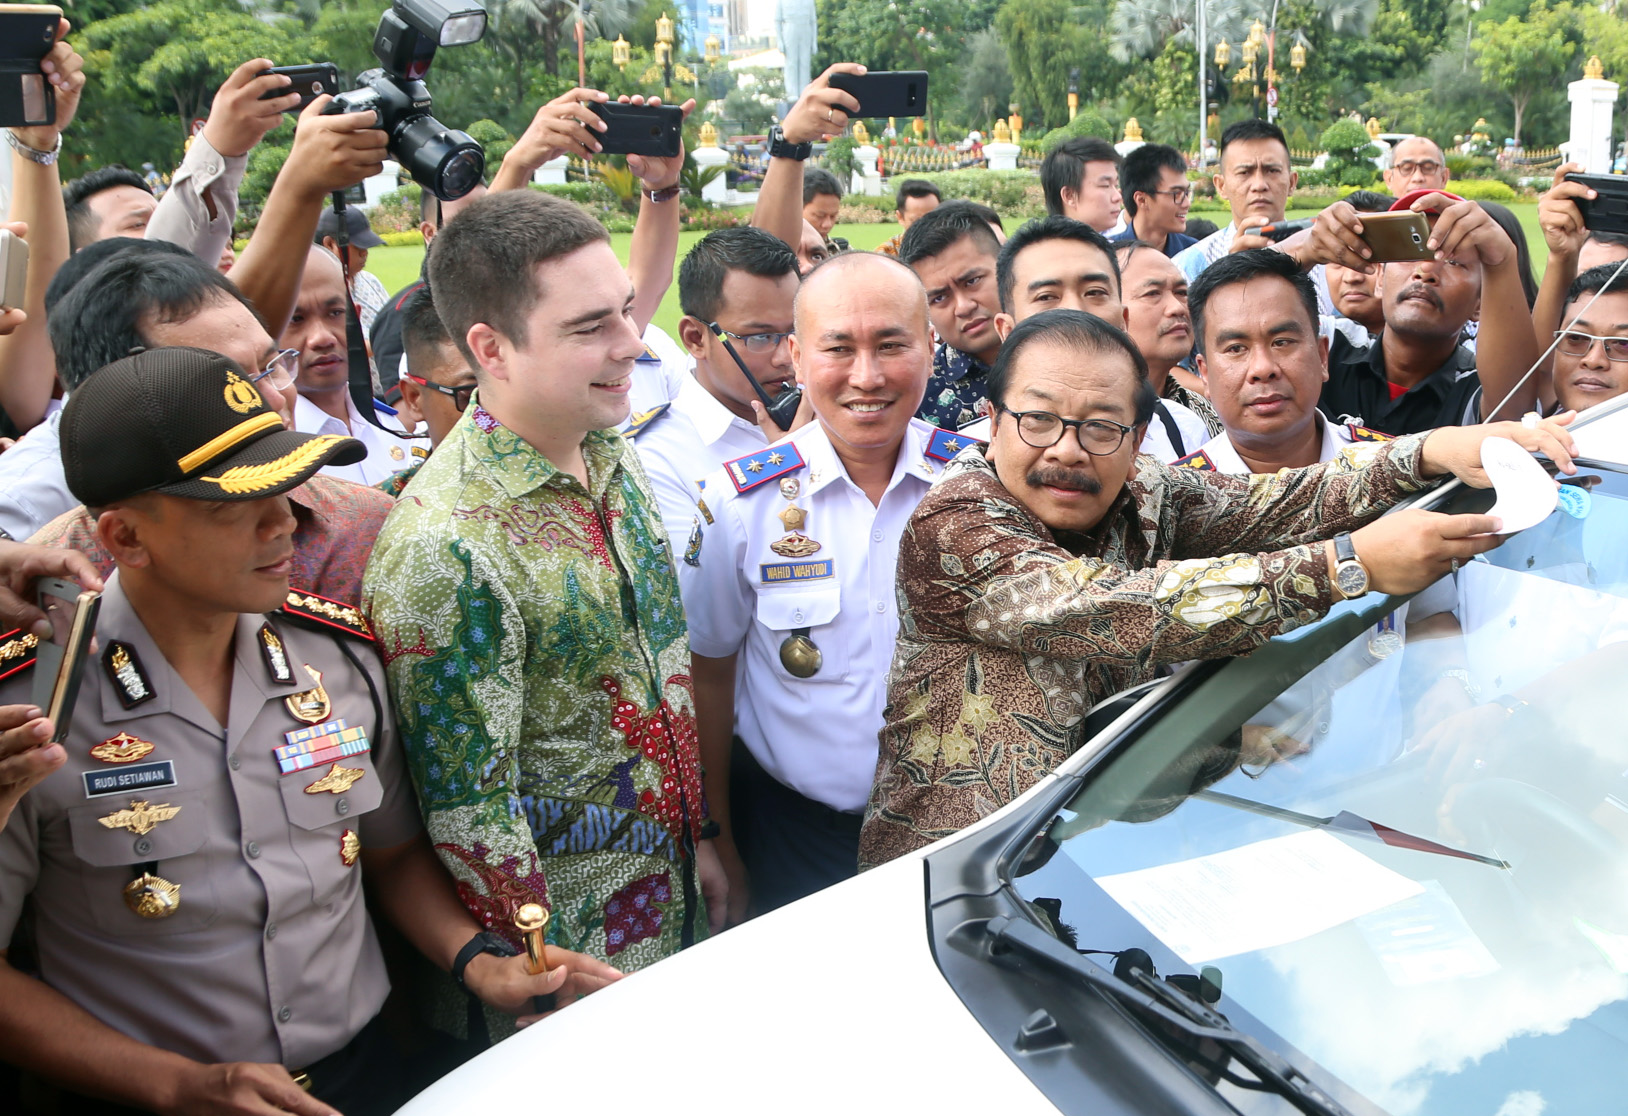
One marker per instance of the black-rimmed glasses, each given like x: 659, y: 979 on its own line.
x: 460, y: 395
x: 759, y: 343
x: 1042, y: 430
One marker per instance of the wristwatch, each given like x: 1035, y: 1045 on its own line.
x: 782, y: 148
x: 34, y: 154
x: 1350, y: 575
x: 484, y: 942
x: 664, y: 195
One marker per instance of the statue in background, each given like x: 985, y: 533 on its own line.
x: 798, y: 39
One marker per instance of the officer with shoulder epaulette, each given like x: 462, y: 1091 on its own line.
x: 193, y: 872
x: 736, y: 288
x: 788, y: 580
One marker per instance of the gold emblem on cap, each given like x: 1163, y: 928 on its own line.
x: 241, y: 395
x: 337, y: 781
x: 310, y: 706
x: 152, y: 896
x: 140, y: 818
x: 350, y: 847
x: 122, y: 748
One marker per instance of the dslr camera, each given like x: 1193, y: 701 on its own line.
x: 443, y: 160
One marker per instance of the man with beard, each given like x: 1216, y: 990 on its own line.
x: 1055, y: 568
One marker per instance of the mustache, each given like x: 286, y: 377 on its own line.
x: 1420, y: 289
x: 1075, y: 480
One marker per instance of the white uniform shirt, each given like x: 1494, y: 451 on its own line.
x: 815, y: 735
x: 684, y: 442
x: 1223, y: 457
x: 386, y: 455
x: 33, y: 485
x: 1193, y: 259
x: 659, y: 373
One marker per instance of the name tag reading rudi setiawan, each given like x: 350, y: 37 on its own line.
x: 123, y: 780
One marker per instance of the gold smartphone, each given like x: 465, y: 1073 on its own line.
x: 1394, y: 237
x: 60, y: 660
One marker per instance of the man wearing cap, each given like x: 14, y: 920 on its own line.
x: 1416, y: 375
x: 365, y: 288
x: 194, y: 870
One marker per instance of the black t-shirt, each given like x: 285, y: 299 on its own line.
x: 387, y: 344
x: 1358, y: 391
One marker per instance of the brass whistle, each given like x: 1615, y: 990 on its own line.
x: 532, y: 922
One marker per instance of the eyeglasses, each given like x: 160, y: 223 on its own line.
x: 1042, y: 430
x: 460, y: 395
x: 1418, y: 166
x: 1577, y: 344
x: 1178, y: 194
x: 281, y: 371
x: 754, y: 342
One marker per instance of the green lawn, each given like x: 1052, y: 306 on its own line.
x: 396, y: 267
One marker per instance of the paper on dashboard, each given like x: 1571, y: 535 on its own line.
x: 1526, y: 493
x: 1257, y: 896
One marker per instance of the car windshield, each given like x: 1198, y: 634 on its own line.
x: 1399, y: 833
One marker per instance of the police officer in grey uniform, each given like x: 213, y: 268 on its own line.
x: 194, y: 871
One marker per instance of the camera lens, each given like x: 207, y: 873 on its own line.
x: 442, y: 160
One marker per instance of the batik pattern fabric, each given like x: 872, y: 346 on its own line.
x: 956, y: 390
x: 1009, y: 634
x: 537, y: 654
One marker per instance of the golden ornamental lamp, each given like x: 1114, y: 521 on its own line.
x: 1257, y: 33
x: 1251, y: 51
x: 1001, y: 132
x: 664, y: 51
x: 621, y: 53
x: 861, y: 135
x: 1223, y: 54
x: 1593, y: 70
x: 713, y: 46
x: 708, y: 136
x: 664, y: 29
x: 1133, y: 131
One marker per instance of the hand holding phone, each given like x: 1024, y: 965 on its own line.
x: 310, y: 81
x: 886, y: 92
x: 1393, y: 237
x: 27, y: 34
x: 1609, y: 211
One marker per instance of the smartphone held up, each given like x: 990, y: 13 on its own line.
x: 60, y: 659
x: 27, y: 33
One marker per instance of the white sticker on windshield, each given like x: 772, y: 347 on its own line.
x: 1526, y: 494
x: 1266, y: 894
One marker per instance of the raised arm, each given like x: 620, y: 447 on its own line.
x: 819, y: 114
x: 27, y: 366
x: 1564, y: 233
x: 330, y: 153
x: 654, y: 249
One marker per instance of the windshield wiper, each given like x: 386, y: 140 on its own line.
x: 1188, y: 1016
x: 1347, y: 822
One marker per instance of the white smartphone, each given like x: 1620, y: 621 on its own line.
x: 13, y: 270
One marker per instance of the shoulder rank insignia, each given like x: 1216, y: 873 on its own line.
x: 275, y: 654
x: 746, y: 473
x: 1198, y: 459
x: 641, y: 422
x: 17, y: 651
x: 649, y: 356
x: 308, y: 608
x: 945, y: 444
x: 1363, y: 434
x: 128, y: 676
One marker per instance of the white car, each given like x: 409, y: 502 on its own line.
x: 1379, y: 866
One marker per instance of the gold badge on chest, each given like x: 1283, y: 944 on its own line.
x: 310, y: 706
x: 141, y: 817
x: 152, y: 896
x: 793, y: 544
x: 338, y: 780
x: 122, y: 748
x: 350, y: 847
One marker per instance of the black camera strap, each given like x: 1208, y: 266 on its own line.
x: 361, y: 372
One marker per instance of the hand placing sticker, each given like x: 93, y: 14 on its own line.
x: 1526, y: 493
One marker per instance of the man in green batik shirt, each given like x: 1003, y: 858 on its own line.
x: 524, y: 599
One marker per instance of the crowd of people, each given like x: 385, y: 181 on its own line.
x: 658, y: 633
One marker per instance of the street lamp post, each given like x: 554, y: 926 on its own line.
x: 664, y: 54
x: 1203, y: 87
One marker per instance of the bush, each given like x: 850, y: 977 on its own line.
x: 706, y: 217
x: 397, y: 212
x: 1087, y: 122
x: 1358, y: 177
x: 410, y: 238
x: 839, y: 158
x: 880, y: 203
x: 1350, y: 154
x: 583, y: 193
x: 1482, y: 189
x: 1010, y: 193
x: 861, y: 215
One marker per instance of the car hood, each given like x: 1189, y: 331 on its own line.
x: 834, y: 999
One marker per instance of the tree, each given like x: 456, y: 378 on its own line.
x: 1042, y: 45
x: 895, y: 35
x: 986, y: 81
x: 1522, y: 57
